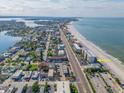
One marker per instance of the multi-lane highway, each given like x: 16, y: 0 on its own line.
x: 82, y: 83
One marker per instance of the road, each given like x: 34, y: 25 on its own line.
x: 82, y: 82
x: 111, y: 63
x: 47, y: 46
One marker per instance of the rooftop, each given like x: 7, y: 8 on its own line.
x: 17, y: 73
x: 50, y: 73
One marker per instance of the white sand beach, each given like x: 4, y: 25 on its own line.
x: 114, y: 65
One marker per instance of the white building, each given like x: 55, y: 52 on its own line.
x: 89, y: 56
x: 76, y: 47
x: 17, y: 75
x: 61, y: 52
x: 35, y: 75
x: 27, y: 75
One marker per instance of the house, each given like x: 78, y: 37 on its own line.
x: 59, y: 57
x: 65, y: 70
x: 61, y: 46
x: 61, y: 52
x: 17, y: 75
x: 6, y: 54
x: 15, y: 57
x: 28, y: 59
x: 43, y: 75
x: 51, y: 74
x: 68, y: 35
x: 35, y: 75
x: 27, y: 75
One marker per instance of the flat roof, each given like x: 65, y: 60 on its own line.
x: 17, y: 73
x: 35, y: 74
x: 27, y: 74
x: 50, y: 73
x: 61, y: 52
x: 89, y: 52
x: 76, y: 46
x: 65, y: 69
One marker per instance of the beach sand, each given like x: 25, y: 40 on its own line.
x: 114, y: 66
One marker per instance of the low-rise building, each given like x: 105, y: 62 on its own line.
x: 27, y: 75
x: 61, y: 53
x: 15, y: 57
x: 77, y: 48
x: 51, y: 74
x: 61, y: 46
x: 35, y: 75
x: 17, y: 75
x: 57, y: 59
x: 94, y: 66
x: 65, y: 70
x: 43, y: 75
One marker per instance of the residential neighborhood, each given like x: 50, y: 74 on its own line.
x: 50, y: 59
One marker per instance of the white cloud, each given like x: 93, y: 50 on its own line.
x: 62, y: 7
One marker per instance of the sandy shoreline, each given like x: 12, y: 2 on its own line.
x: 115, y: 65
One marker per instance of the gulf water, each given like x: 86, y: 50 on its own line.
x: 107, y: 33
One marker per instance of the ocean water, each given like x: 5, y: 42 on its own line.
x: 107, y: 33
x: 7, y: 41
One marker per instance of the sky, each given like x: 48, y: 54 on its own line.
x: 76, y: 8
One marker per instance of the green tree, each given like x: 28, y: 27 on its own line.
x: 73, y: 88
x: 35, y: 88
